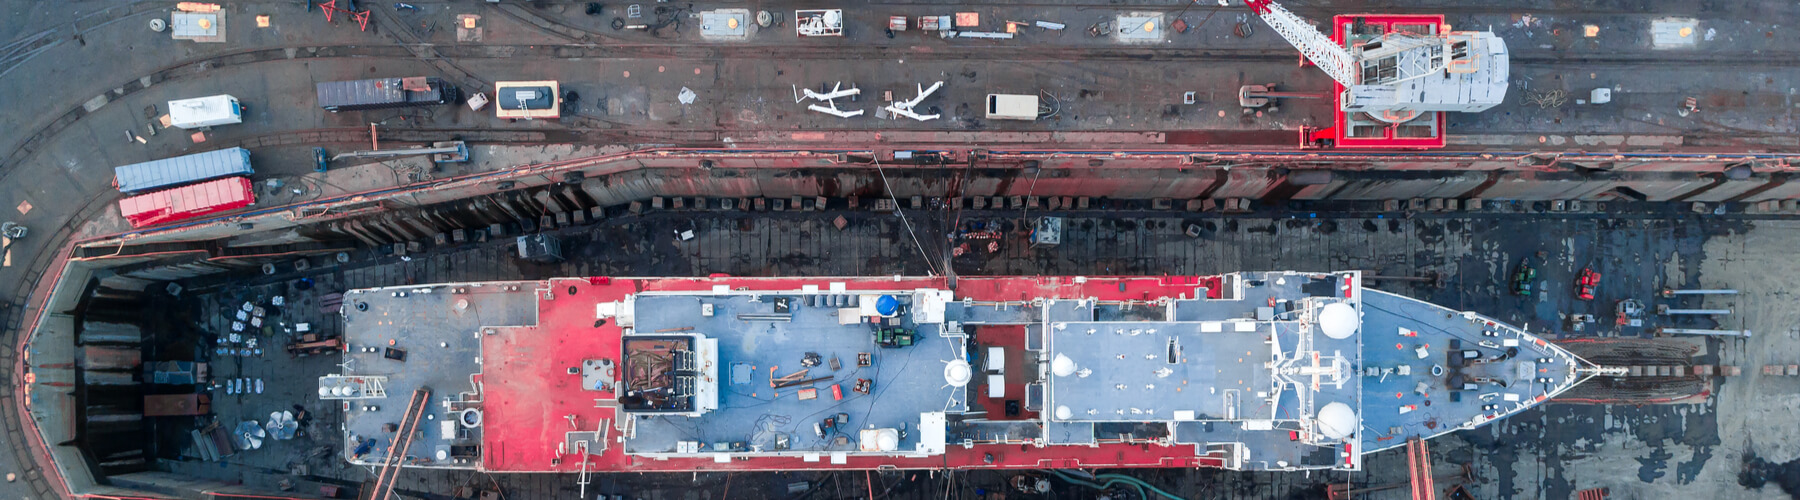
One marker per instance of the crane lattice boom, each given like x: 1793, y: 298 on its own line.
x: 1318, y: 48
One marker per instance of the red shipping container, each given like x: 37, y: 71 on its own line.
x: 188, y: 201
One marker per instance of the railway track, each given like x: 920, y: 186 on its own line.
x: 443, y: 57
x: 17, y: 51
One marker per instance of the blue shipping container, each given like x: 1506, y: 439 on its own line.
x: 171, y: 172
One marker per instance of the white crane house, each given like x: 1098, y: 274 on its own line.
x: 1398, y: 75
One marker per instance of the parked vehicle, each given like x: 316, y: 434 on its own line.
x: 528, y: 100
x: 1522, y: 278
x: 187, y: 202
x: 1012, y: 107
x: 171, y: 172
x: 379, y: 93
x: 203, y: 112
x: 1586, y: 283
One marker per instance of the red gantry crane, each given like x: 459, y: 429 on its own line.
x: 1396, y: 75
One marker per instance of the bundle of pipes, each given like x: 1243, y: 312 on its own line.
x: 1646, y: 390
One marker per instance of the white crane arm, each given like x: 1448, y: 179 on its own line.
x: 1317, y: 47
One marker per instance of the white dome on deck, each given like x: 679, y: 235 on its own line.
x: 1338, y: 320
x: 1062, y: 366
x: 887, y: 440
x: 1337, y: 421
x: 957, y: 373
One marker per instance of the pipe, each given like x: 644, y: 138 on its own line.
x: 1725, y: 291
x: 1668, y: 311
x: 384, y: 153
x: 1695, y: 331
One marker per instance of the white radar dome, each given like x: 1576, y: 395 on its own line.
x: 1337, y: 421
x: 887, y: 440
x: 957, y: 373
x: 1338, y: 320
x: 1062, y: 366
x: 1064, y: 413
x: 324, y: 391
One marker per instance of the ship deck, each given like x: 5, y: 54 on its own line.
x: 755, y: 414
x: 549, y: 378
x: 1435, y: 407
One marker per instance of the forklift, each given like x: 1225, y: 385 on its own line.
x: 1586, y: 283
x: 1522, y: 278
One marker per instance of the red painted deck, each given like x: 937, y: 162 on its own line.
x: 529, y: 395
x: 1012, y: 339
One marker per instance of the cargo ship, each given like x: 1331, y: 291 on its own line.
x: 1271, y: 371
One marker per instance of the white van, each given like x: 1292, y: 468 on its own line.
x: 1012, y: 107
x: 205, y: 112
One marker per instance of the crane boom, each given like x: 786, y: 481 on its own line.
x: 1318, y: 48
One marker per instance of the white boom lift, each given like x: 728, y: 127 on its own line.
x: 830, y: 99
x: 905, y: 108
x: 1398, y: 75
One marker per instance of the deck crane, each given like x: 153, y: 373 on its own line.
x: 1395, y: 71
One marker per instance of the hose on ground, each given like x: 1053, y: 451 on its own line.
x: 1110, y: 479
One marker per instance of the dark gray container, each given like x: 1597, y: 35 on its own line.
x: 380, y: 93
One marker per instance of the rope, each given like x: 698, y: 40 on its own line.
x: 909, y: 229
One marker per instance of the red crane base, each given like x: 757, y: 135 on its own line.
x: 1339, y: 134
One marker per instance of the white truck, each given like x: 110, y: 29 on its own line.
x: 203, y: 112
x: 1012, y: 107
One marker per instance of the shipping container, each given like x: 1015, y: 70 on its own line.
x: 538, y: 99
x: 379, y: 93
x: 205, y: 112
x: 177, y: 405
x: 171, y: 172
x: 190, y: 201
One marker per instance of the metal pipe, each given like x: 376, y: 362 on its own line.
x: 1694, y: 311
x: 382, y: 153
x: 1694, y: 331
x: 1723, y: 291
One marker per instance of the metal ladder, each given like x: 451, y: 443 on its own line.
x: 389, y: 472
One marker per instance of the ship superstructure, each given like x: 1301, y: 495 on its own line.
x: 1248, y: 371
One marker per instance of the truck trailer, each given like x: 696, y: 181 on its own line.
x: 528, y: 100
x: 1012, y: 107
x: 380, y: 93
x: 171, y: 172
x: 187, y: 202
